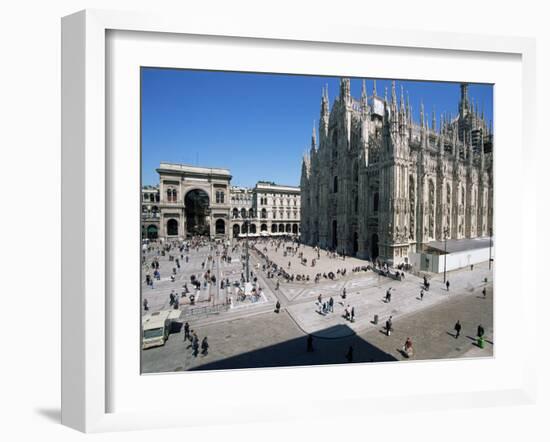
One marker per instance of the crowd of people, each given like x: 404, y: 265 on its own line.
x: 294, y: 270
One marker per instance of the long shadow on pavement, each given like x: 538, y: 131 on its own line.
x: 294, y: 352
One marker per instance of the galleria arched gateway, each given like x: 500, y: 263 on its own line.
x: 195, y: 201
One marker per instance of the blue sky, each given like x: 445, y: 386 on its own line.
x: 257, y: 125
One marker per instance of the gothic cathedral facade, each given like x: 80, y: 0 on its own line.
x: 379, y: 185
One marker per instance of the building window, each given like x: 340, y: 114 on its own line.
x: 264, y: 213
x: 171, y: 195
x: 375, y: 202
x: 220, y: 197
x: 335, y: 185
x: 235, y: 213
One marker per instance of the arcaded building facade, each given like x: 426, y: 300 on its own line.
x: 200, y: 201
x: 267, y: 209
x: 378, y: 184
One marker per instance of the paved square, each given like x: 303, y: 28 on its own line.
x: 249, y: 333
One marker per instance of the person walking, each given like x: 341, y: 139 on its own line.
x: 195, y: 345
x: 204, y: 346
x: 344, y: 293
x: 353, y: 314
x: 480, y: 331
x: 447, y: 284
x: 331, y: 304
x: 186, y: 332
x: 484, y: 291
x: 421, y: 294
x: 389, y: 327
x: 388, y: 295
x: 145, y: 305
x: 349, y: 354
x: 408, y: 347
x: 277, y: 307
x: 458, y: 327
x: 309, y: 343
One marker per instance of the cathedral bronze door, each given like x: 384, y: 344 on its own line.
x: 374, y: 247
x: 334, y: 235
x: 196, y: 211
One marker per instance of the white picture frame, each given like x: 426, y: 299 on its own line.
x: 86, y: 257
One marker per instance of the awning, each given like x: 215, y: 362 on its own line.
x: 459, y: 245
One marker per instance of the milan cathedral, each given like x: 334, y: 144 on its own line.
x: 378, y: 184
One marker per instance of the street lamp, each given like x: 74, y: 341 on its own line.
x: 445, y: 233
x: 247, y: 224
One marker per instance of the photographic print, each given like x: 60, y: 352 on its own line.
x: 293, y: 220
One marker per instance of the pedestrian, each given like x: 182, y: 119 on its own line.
x: 204, y: 346
x: 331, y: 304
x: 349, y: 355
x: 408, y: 347
x: 277, y: 307
x: 480, y: 331
x: 484, y: 291
x: 421, y: 294
x: 447, y: 284
x: 388, y: 295
x: 458, y: 327
x: 471, y: 267
x: 324, y: 307
x: 309, y: 343
x: 195, y: 345
x: 353, y: 314
x: 145, y: 305
x: 186, y: 332
x: 344, y: 293
x: 320, y: 299
x: 389, y: 327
